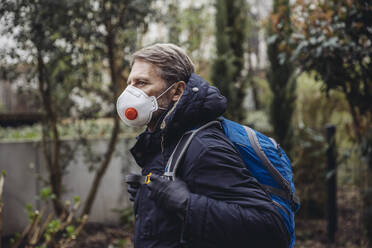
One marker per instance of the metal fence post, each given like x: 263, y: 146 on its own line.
x: 331, y: 183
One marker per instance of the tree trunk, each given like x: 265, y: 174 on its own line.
x: 282, y: 80
x: 50, y: 121
x: 110, y: 43
x: 251, y: 79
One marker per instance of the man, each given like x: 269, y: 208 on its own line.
x: 214, y: 202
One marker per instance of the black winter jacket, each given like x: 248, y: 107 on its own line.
x: 227, y: 207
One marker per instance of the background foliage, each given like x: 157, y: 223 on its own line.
x: 71, y: 61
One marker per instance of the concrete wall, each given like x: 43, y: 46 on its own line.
x: 23, y: 162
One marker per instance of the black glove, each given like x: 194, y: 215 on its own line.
x: 133, y: 181
x: 132, y: 190
x: 171, y: 195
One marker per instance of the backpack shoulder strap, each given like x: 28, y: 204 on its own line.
x: 180, y: 149
x: 264, y: 159
x: 286, y: 191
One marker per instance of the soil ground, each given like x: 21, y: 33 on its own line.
x: 313, y: 233
x: 309, y: 233
x: 100, y: 236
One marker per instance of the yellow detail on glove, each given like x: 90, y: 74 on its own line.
x: 147, y: 178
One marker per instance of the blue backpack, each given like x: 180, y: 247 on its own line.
x: 262, y: 156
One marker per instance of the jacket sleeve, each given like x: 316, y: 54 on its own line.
x: 227, y: 207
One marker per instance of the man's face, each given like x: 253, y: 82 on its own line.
x: 144, y: 76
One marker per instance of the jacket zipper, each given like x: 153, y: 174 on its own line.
x: 162, y: 141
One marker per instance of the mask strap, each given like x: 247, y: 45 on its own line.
x: 165, y: 92
x: 165, y: 109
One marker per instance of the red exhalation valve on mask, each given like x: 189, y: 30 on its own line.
x: 131, y: 113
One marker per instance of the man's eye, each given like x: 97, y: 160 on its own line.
x: 141, y: 83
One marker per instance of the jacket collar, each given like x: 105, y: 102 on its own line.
x: 200, y: 103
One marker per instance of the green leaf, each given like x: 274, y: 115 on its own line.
x: 45, y: 193
x: 299, y: 49
x: 76, y: 199
x: 282, y: 58
x: 298, y: 36
x: 54, y: 226
x: 47, y: 236
x: 272, y: 39
x: 41, y: 246
x: 70, y: 230
x: 313, y: 40
x: 122, y: 242
x: 330, y: 174
x: 30, y: 212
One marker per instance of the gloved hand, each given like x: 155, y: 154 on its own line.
x: 132, y: 190
x: 171, y: 195
x: 133, y: 181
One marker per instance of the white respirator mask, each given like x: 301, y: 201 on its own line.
x: 135, y: 107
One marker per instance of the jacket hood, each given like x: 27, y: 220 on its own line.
x: 200, y: 103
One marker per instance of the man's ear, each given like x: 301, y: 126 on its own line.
x: 179, y: 89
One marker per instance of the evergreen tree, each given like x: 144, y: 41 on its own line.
x: 280, y: 75
x: 173, y: 21
x: 229, y: 63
